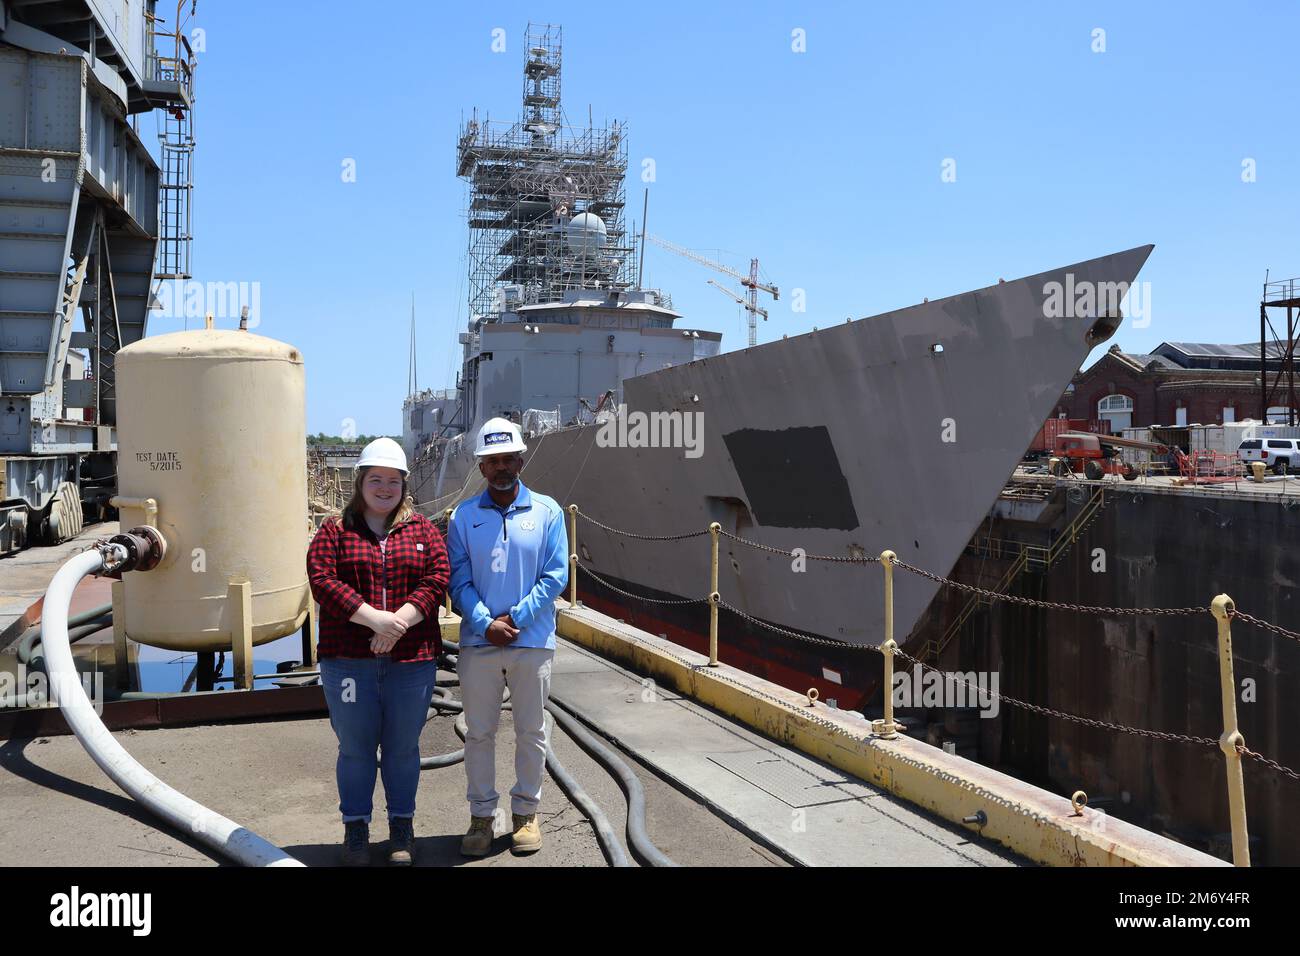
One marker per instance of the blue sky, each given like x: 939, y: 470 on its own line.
x: 825, y: 164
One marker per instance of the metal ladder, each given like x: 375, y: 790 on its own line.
x: 1041, y: 559
x: 175, y: 193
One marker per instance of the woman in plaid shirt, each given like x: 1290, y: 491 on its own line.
x: 379, y: 572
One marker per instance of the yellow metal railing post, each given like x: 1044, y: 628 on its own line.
x: 887, y: 728
x: 1222, y: 608
x: 573, y: 556
x: 714, y: 597
x: 447, y: 515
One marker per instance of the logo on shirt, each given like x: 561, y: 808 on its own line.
x: 528, y: 524
x: 419, y: 546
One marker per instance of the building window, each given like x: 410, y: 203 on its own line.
x: 1118, y: 410
x: 1229, y: 414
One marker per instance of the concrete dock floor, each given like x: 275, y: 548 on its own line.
x: 277, y: 778
x: 717, y: 794
x: 24, y: 576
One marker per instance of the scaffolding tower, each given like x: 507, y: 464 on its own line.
x: 546, y: 199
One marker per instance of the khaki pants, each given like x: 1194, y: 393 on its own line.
x: 484, y: 672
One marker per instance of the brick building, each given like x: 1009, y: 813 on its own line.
x: 1179, y: 383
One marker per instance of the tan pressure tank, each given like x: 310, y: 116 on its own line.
x: 212, y: 451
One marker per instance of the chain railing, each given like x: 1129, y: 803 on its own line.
x: 1231, y: 743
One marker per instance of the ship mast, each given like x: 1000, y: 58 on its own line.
x: 546, y: 200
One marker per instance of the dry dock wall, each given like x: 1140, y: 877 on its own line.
x: 1152, y: 549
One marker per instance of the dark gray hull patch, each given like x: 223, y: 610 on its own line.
x: 792, y: 477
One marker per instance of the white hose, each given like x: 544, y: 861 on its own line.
x: 223, y: 835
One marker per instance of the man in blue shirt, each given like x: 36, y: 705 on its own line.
x: 509, y: 558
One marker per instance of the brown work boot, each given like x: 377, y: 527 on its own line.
x: 527, y: 837
x: 356, y: 843
x: 401, y: 841
x: 478, y: 840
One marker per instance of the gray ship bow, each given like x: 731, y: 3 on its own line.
x: 891, y: 432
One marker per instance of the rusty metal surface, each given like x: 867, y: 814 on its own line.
x: 220, y: 707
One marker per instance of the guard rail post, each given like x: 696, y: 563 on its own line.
x: 1222, y: 608
x: 447, y: 597
x: 573, y: 556
x: 887, y: 728
x: 714, y: 597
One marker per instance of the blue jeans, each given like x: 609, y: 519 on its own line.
x: 375, y: 703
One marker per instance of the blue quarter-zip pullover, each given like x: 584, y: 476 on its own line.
x: 512, y: 560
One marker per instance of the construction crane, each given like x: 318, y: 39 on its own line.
x: 750, y: 282
x: 739, y: 299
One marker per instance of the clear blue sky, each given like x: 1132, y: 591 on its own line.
x: 825, y: 164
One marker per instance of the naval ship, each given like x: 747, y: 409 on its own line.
x: 896, y: 431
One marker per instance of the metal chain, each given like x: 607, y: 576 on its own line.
x: 1054, y: 605
x: 1046, y: 711
x: 865, y: 559
x: 802, y: 713
x: 1276, y: 629
x: 1036, y: 708
x: 640, y: 597
x: 842, y: 645
x: 643, y: 537
x: 1273, y: 764
x: 1049, y: 712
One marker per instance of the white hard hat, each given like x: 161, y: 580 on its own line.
x: 499, y: 436
x: 383, y: 453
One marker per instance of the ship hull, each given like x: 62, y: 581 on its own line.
x: 891, y: 432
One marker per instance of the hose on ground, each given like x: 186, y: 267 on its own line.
x: 78, y: 627
x: 188, y: 816
x: 637, y: 836
x: 605, y: 833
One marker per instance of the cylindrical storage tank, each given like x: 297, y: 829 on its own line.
x: 212, y: 425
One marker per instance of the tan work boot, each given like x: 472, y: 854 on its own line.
x: 401, y: 841
x: 527, y: 837
x: 478, y: 840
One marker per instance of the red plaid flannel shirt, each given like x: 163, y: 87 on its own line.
x: 346, y: 568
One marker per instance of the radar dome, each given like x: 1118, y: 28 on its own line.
x: 586, y: 234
